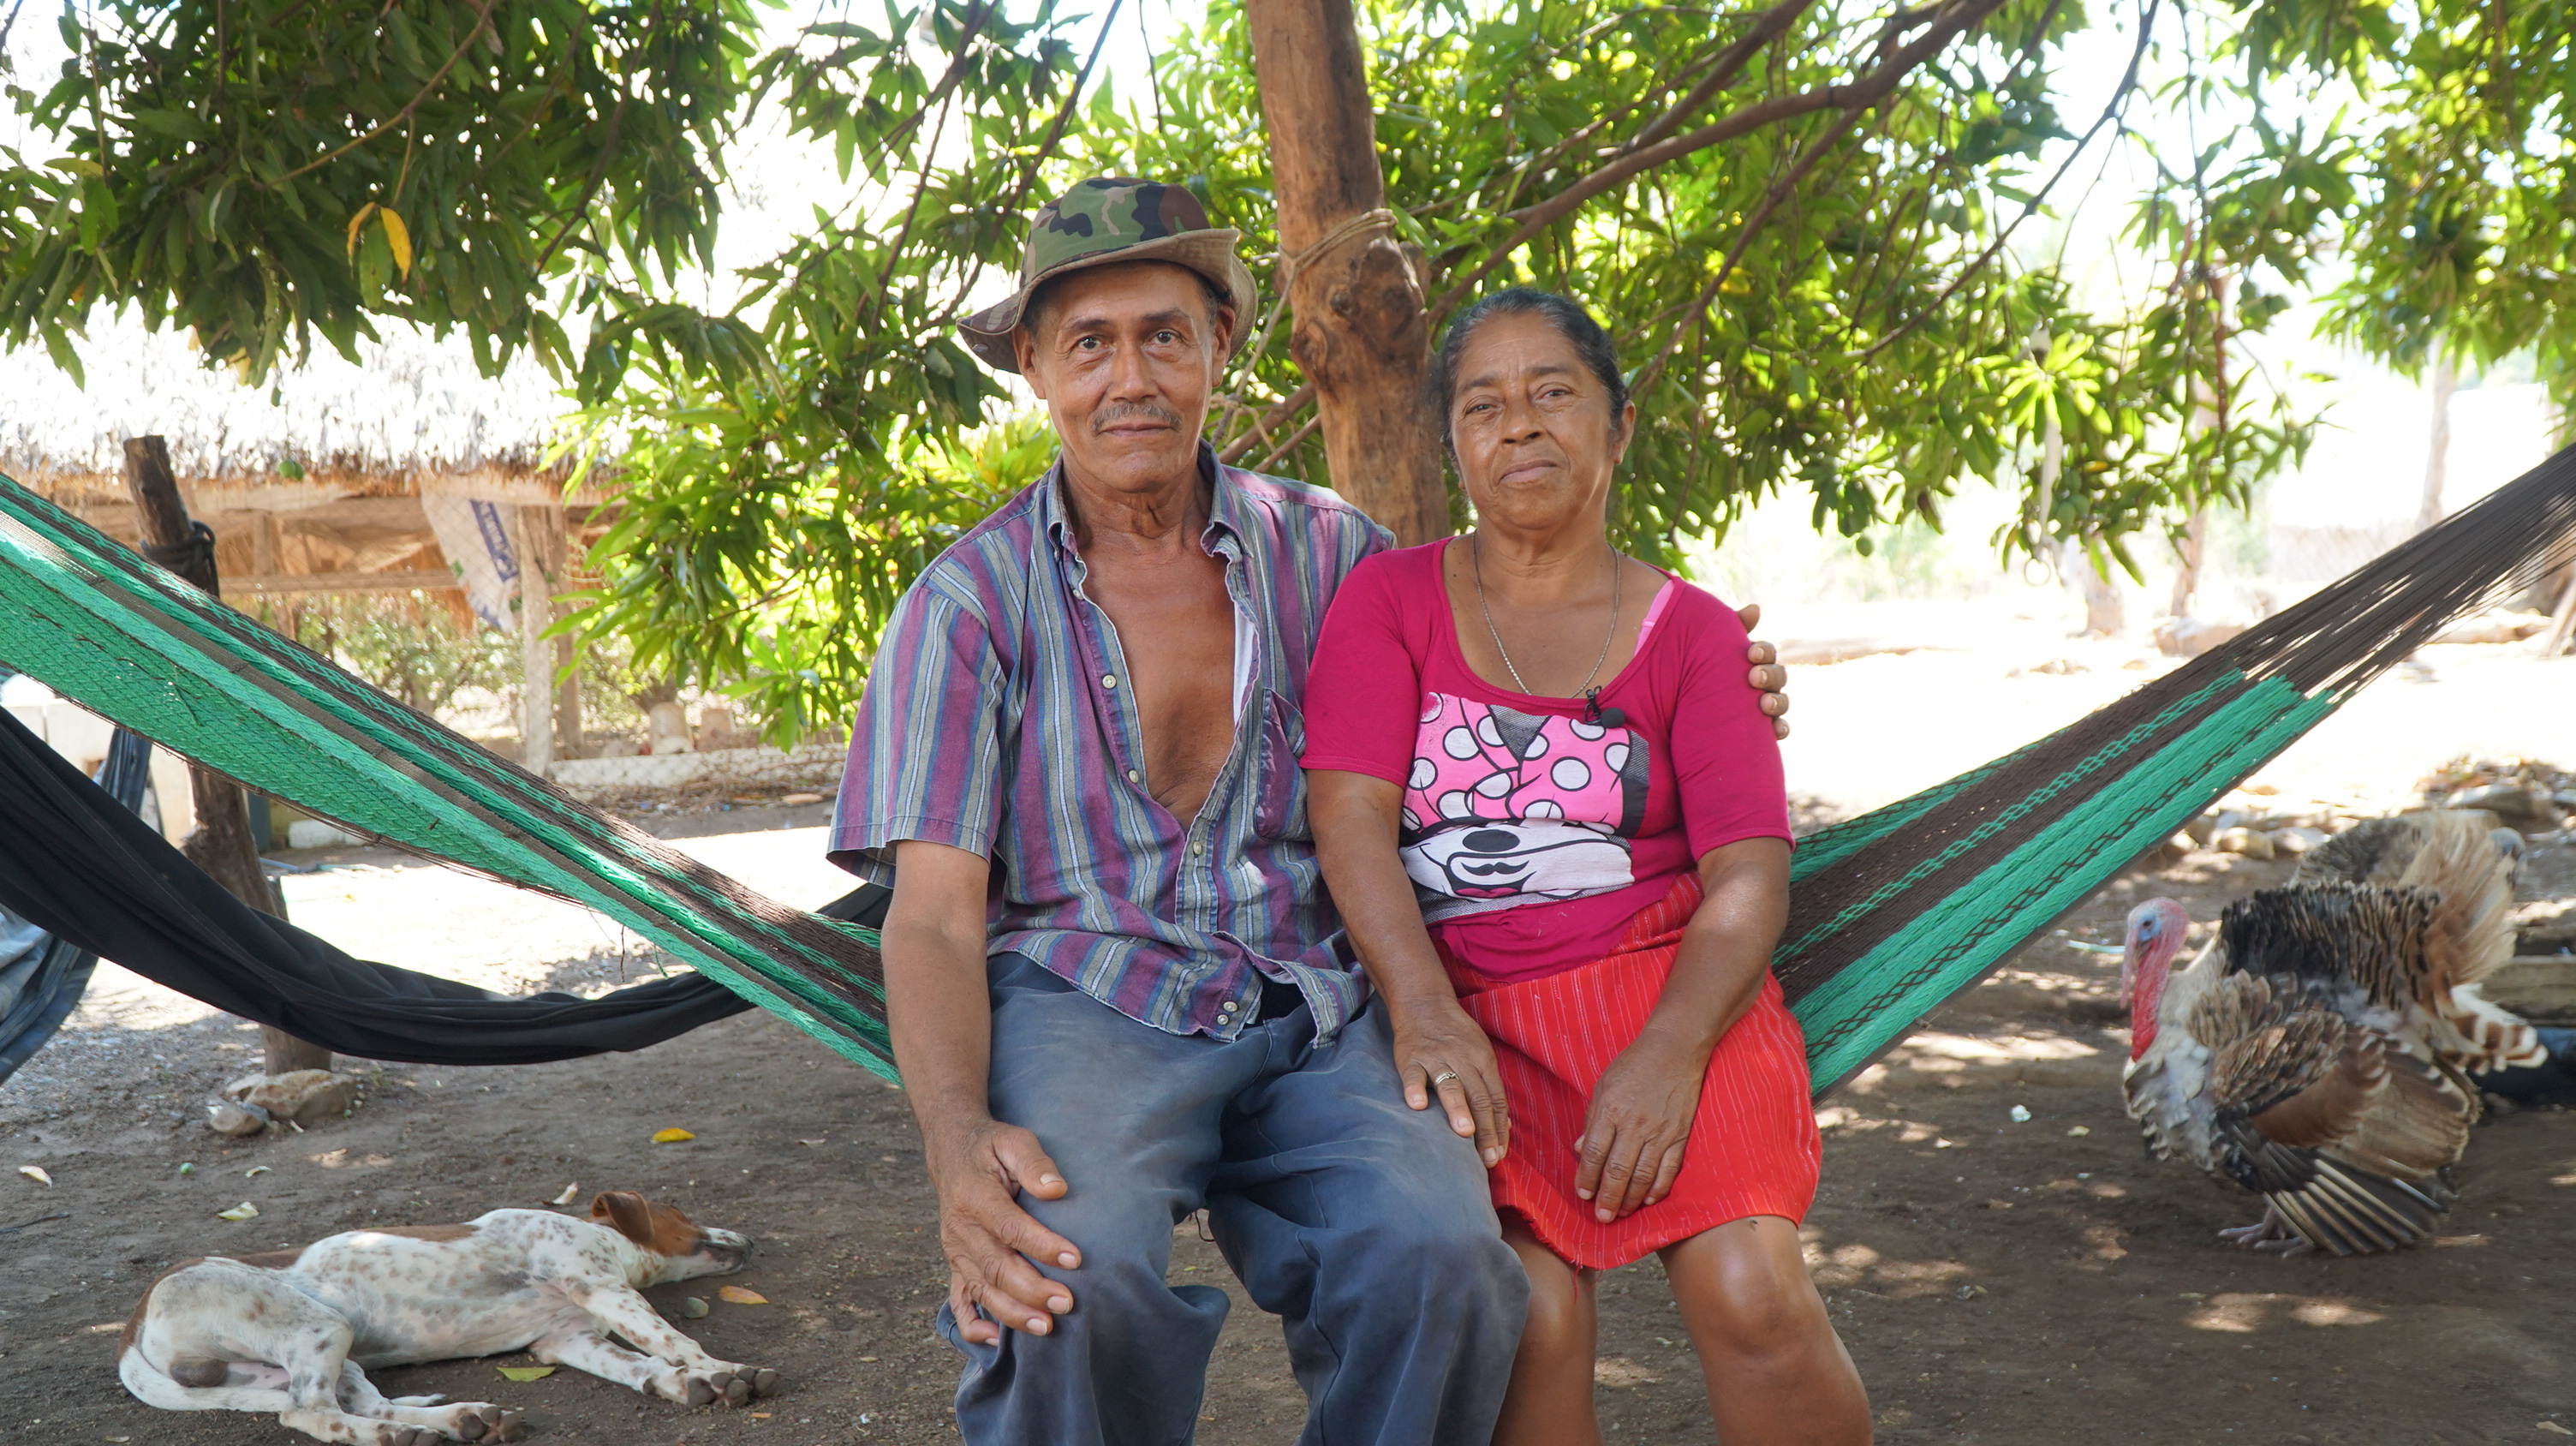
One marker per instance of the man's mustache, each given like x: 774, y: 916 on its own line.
x: 1125, y: 412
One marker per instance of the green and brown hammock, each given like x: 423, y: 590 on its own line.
x: 1891, y: 913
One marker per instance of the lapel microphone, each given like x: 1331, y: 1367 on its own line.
x: 1593, y: 712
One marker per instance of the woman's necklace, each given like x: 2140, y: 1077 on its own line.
x: 1591, y: 696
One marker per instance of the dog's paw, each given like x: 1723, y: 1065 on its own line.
x: 733, y: 1386
x: 483, y: 1422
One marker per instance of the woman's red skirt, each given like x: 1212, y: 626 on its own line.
x: 1753, y: 1146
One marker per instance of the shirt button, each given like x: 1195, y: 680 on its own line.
x: 1197, y: 846
x: 1226, y: 1008
x: 1134, y: 777
x: 1109, y: 680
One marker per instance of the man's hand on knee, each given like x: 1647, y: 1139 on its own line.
x: 1767, y: 675
x: 990, y: 1240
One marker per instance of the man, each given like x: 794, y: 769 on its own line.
x: 1117, y: 991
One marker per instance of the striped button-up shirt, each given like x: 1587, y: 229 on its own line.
x: 996, y: 721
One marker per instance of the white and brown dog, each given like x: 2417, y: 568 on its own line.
x: 288, y: 1331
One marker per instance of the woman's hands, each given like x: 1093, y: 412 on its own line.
x: 1642, y: 1109
x: 1640, y: 1120
x: 1444, y: 1053
x: 1438, y: 1049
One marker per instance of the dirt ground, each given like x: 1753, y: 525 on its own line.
x: 1997, y: 1282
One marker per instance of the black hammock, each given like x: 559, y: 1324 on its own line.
x: 42, y: 976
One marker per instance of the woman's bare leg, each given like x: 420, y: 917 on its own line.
x: 1550, y: 1401
x: 1777, y: 1373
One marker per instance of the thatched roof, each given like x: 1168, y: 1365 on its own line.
x: 410, y: 405
x: 413, y: 415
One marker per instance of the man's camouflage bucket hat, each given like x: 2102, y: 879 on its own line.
x: 1102, y: 222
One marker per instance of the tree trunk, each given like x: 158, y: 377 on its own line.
x: 2104, y: 614
x: 2437, y: 454
x: 2195, y: 541
x: 1361, y: 336
x: 221, y: 843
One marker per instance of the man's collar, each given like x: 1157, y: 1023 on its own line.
x: 1225, y: 505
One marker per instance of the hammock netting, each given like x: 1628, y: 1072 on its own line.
x: 1890, y: 913
x: 98, y: 624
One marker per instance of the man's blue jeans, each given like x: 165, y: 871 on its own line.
x: 1363, y: 1222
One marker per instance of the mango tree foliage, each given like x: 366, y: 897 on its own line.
x: 1812, y: 225
x: 788, y: 466
x: 259, y: 171
x: 2461, y: 234
x: 1821, y: 299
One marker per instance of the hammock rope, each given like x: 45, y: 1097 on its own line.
x: 1895, y: 911
x: 1891, y: 913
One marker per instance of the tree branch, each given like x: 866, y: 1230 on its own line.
x: 2110, y: 112
x: 1858, y: 95
x: 598, y: 174
x: 1260, y: 428
x: 1284, y: 448
x: 977, y: 15
x: 1813, y: 152
x: 1045, y: 147
x: 911, y: 213
x: 482, y: 21
x: 1767, y: 27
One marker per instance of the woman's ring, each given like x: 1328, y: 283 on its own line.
x: 1443, y: 1078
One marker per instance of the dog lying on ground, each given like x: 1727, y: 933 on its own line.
x: 289, y: 1331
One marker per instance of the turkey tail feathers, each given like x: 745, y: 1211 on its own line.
x: 2336, y: 1206
x: 2452, y: 852
x: 2357, y: 1213
x: 2486, y: 1035
x: 2373, y: 851
x: 2359, y: 934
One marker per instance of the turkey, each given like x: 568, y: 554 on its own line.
x: 2318, y: 1052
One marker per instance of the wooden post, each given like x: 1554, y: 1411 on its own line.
x: 558, y: 556
x: 221, y: 843
x: 568, y: 736
x: 536, y: 651
x: 1360, y: 335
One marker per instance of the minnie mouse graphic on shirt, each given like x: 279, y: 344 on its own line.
x: 1504, y: 808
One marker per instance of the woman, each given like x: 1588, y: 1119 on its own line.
x: 1551, y: 812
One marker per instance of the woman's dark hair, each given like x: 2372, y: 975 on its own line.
x: 1569, y: 318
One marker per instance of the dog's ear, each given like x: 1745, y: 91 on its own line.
x: 625, y: 1212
